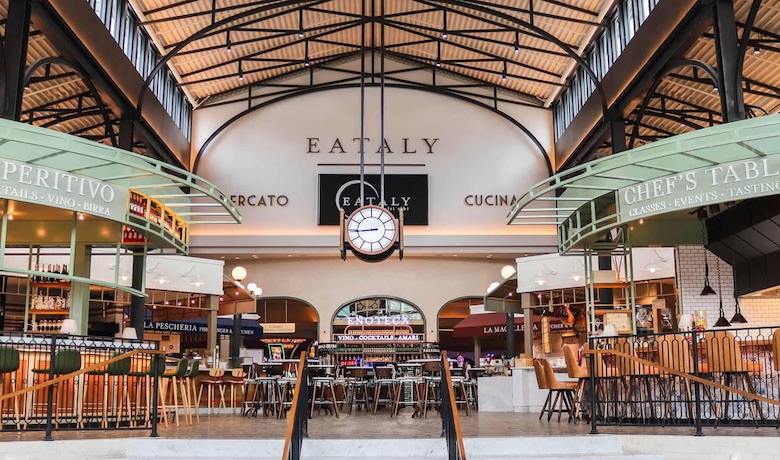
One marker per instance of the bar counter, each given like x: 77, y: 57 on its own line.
x: 517, y: 393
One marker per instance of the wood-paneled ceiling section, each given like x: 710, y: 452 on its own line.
x: 280, y: 41
x: 687, y: 99
x: 57, y: 97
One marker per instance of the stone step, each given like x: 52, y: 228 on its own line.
x: 603, y: 447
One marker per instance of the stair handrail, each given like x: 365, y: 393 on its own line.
x: 450, y: 419
x: 298, y: 422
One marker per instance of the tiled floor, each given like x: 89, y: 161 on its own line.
x: 363, y: 425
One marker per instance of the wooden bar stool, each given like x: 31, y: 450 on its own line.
x: 384, y: 380
x: 9, y: 364
x: 156, y: 369
x: 724, y: 357
x: 175, y: 379
x: 416, y: 390
x: 639, y: 380
x: 359, y: 393
x: 432, y: 378
x: 324, y: 395
x: 192, y: 393
x: 65, y: 362
x: 214, y: 382
x: 236, y: 383
x: 114, y: 375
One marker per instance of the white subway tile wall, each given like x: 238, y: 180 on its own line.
x: 759, y: 311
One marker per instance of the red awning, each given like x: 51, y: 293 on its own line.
x: 495, y: 324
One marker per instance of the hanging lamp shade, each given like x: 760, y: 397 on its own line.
x: 722, y: 321
x: 737, y: 318
x: 707, y: 288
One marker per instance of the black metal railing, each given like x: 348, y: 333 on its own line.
x: 697, y: 378
x: 298, y: 419
x: 52, y: 382
x: 450, y: 420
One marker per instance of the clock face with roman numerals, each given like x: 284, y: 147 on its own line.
x: 371, y: 230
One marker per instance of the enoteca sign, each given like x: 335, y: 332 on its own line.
x: 51, y: 187
x: 736, y: 180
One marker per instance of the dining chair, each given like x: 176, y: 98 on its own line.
x: 578, y: 372
x: 541, y: 382
x: 724, y: 358
x: 564, y: 391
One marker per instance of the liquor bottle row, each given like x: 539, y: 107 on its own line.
x: 359, y: 360
x: 47, y: 325
x: 50, y: 302
x: 138, y: 204
x: 378, y: 348
x: 49, y: 270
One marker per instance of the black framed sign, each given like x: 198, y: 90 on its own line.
x: 402, y: 191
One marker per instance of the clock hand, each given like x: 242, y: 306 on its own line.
x: 365, y: 230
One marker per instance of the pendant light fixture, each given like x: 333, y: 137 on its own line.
x: 707, y: 288
x: 737, y: 318
x: 722, y: 321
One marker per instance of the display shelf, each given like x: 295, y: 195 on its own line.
x: 49, y: 312
x: 55, y: 285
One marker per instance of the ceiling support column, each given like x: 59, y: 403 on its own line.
x: 617, y: 129
x: 732, y: 101
x: 126, y: 133
x: 17, y: 32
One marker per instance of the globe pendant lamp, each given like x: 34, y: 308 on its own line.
x: 737, y: 318
x: 722, y: 321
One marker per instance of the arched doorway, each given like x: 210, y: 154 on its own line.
x: 450, y: 314
x: 379, y: 329
x: 288, y: 321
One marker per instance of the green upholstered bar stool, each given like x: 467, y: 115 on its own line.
x: 65, y: 362
x: 189, y: 386
x: 9, y: 365
x: 176, y: 381
x: 156, y: 369
x: 116, y: 374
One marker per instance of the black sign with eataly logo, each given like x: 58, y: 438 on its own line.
x: 402, y: 191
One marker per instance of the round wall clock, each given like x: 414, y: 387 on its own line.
x: 371, y: 230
